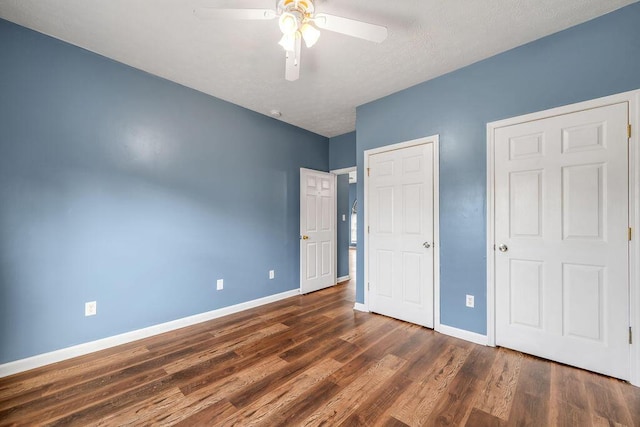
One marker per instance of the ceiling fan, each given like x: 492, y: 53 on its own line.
x: 299, y: 21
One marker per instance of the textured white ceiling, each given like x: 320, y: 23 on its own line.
x: 241, y: 62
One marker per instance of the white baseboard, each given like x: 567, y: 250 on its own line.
x: 343, y: 279
x: 361, y: 307
x: 39, y: 360
x: 462, y: 334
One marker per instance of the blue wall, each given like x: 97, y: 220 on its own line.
x: 120, y: 187
x: 342, y: 204
x: 342, y: 151
x: 597, y: 58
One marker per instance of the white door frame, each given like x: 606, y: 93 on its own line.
x: 343, y: 170
x: 435, y: 140
x: 633, y: 98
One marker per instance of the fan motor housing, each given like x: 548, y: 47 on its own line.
x: 304, y: 7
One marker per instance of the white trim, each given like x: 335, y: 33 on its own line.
x: 343, y: 170
x: 491, y: 337
x: 435, y: 140
x: 104, y: 343
x: 361, y: 307
x: 633, y: 98
x: 436, y: 231
x: 365, y: 227
x: 462, y: 334
x: 343, y: 279
x: 335, y: 230
x: 634, y: 246
x: 567, y: 109
x: 365, y: 224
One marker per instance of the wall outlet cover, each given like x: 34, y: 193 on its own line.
x: 272, y: 274
x: 470, y: 301
x: 220, y: 284
x: 90, y: 308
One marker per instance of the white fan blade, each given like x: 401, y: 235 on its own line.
x: 351, y: 27
x: 231, y: 14
x: 292, y: 66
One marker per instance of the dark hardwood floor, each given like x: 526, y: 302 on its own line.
x: 312, y: 360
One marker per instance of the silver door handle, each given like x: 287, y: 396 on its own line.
x: 426, y: 245
x: 503, y: 248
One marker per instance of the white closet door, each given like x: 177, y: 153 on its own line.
x: 400, y: 204
x: 562, y: 288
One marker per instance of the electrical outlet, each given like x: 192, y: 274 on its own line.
x: 470, y: 301
x: 272, y: 274
x: 220, y: 284
x: 90, y: 308
x: 344, y: 217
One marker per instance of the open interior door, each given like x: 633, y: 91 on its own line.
x: 317, y: 230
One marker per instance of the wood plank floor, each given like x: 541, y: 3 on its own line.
x: 312, y: 360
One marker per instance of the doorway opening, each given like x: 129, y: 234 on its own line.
x: 347, y: 227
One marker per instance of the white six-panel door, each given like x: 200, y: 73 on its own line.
x: 561, y: 234
x: 317, y: 230
x: 400, y: 241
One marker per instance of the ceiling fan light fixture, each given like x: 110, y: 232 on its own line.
x: 288, y: 23
x: 288, y: 42
x: 299, y: 21
x: 310, y: 34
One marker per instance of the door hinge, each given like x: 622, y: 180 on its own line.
x: 369, y: 288
x: 629, y: 131
x: 630, y: 233
x: 630, y: 336
x: 368, y: 229
x: 368, y: 171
